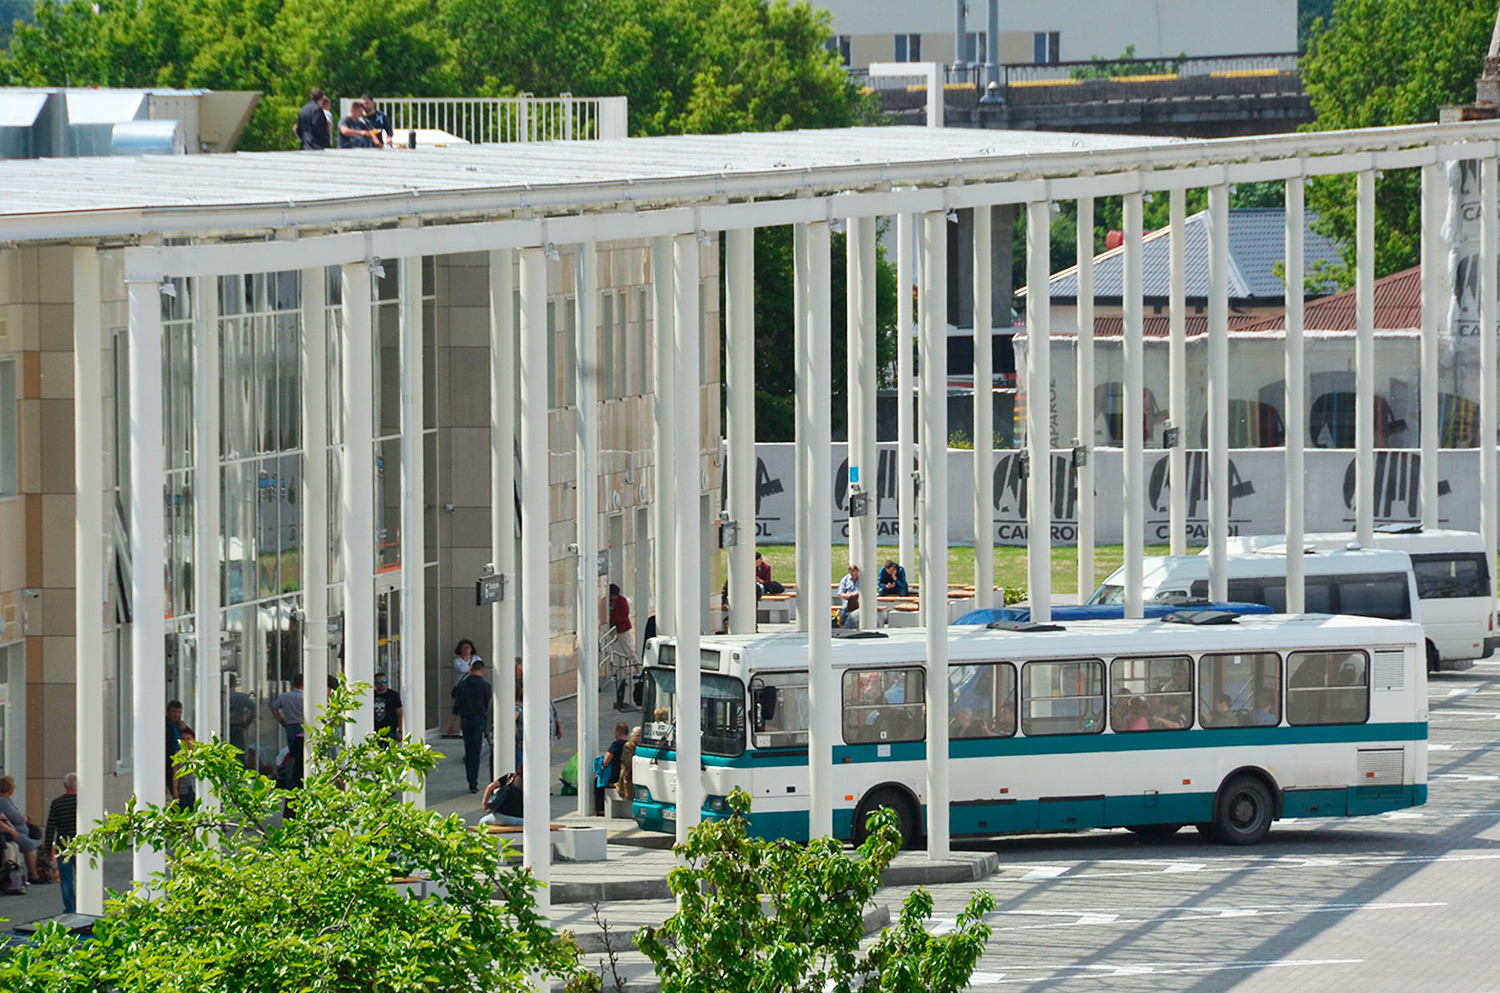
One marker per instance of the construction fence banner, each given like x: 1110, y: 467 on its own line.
x: 1257, y: 488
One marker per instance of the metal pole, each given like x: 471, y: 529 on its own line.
x: 1177, y: 373
x: 586, y: 462
x: 1296, y: 398
x: 960, y: 40
x: 314, y: 345
x: 147, y: 538
x: 413, y: 515
x: 663, y: 493
x: 1364, y: 361
x: 1038, y: 407
x: 984, y: 412
x: 1218, y: 392
x: 208, y: 707
x: 1434, y: 303
x: 535, y: 609
x: 358, y: 501
x: 934, y: 345
x: 1489, y: 176
x: 992, y: 43
x: 739, y: 354
x: 89, y: 542
x: 1134, y: 347
x: 906, y: 489
x: 864, y: 457
x: 687, y: 541
x: 504, y: 615
x: 815, y: 370
x: 1084, y: 397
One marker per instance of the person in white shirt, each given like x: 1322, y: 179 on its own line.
x: 849, y: 597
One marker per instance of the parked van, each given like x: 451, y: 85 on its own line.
x: 1453, y: 583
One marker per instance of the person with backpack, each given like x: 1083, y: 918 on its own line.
x: 503, y: 802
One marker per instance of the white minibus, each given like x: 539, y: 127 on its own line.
x: 1147, y: 725
x: 1454, y: 585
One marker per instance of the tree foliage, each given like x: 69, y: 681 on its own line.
x: 759, y: 916
x: 1127, y: 64
x: 252, y: 902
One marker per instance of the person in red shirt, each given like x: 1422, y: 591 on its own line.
x: 762, y: 570
x: 619, y: 610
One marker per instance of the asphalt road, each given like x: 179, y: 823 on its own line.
x: 1405, y: 901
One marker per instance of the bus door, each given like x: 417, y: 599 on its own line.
x: 778, y: 754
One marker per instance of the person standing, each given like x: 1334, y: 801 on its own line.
x: 388, y: 710
x: 378, y: 120
x: 241, y: 714
x: 626, y: 783
x: 612, y: 763
x: 185, y: 787
x: 62, y: 825
x: 290, y: 712
x: 471, y: 705
x: 619, y: 610
x: 174, y: 741
x: 464, y: 656
x: 311, y: 128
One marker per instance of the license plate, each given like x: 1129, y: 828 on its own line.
x: 669, y: 813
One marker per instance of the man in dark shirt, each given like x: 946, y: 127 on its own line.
x: 62, y: 825
x: 312, y: 124
x: 612, y: 762
x: 378, y: 120
x: 471, y: 703
x: 387, y: 710
x: 354, y: 130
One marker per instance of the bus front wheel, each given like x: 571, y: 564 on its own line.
x: 891, y: 799
x: 1243, y: 812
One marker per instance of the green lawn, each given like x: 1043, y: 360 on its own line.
x: 1010, y: 564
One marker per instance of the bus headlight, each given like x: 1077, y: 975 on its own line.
x: 643, y: 794
x: 717, y: 804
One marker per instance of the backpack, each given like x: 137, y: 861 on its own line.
x: 499, y: 795
x: 12, y: 870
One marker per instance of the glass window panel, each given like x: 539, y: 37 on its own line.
x: 333, y: 286
x: 288, y: 290
x: 1063, y: 697
x: 231, y: 295
x: 335, y: 376
x: 1441, y: 577
x: 10, y: 428
x: 429, y: 275
x: 643, y: 355
x: 1237, y: 690
x: 884, y: 705
x: 1327, y: 688
x: 388, y: 286
x: 388, y: 370
x: 267, y: 528
x: 1151, y: 694
x: 430, y: 498
x: 289, y: 379
x: 335, y: 516
x: 607, y: 348
x: 239, y: 509
x: 290, y: 535
x: 388, y: 504
x: 264, y: 379
x: 1385, y: 595
x: 983, y: 701
x: 778, y: 701
x: 431, y: 389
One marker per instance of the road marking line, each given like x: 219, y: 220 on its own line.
x: 1107, y: 970
x: 1464, y: 777
x: 1046, y: 872
x: 1180, y: 915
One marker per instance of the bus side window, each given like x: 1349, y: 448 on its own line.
x: 1450, y: 575
x: 1151, y: 694
x: 1382, y: 595
x: 982, y: 701
x: 1062, y: 697
x: 884, y: 705
x: 1327, y: 688
x: 1239, y: 690
x: 779, y: 702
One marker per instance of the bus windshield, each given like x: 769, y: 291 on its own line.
x: 723, y: 712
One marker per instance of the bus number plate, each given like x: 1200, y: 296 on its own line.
x: 669, y: 813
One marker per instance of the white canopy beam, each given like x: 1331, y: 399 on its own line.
x: 864, y: 456
x: 358, y: 491
x: 1435, y: 293
x: 663, y: 489
x: 739, y: 354
x: 1364, y: 359
x: 1296, y: 398
x: 413, y: 657
x: 1218, y: 392
x: 313, y: 342
x: 1134, y: 410
x: 1084, y: 397
x: 686, y: 571
x: 504, y: 614
x: 984, y: 412
x: 1177, y: 372
x: 906, y: 483
x: 934, y: 433
x: 815, y: 377
x: 1038, y: 408
x: 586, y: 509
x: 1489, y: 179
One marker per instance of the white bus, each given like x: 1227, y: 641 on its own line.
x: 1145, y: 725
x: 1454, y: 585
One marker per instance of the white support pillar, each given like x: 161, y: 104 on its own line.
x: 1177, y: 373
x: 1218, y: 392
x: 313, y: 343
x: 208, y: 704
x: 1134, y: 347
x: 1084, y: 397
x: 984, y: 413
x: 1296, y: 398
x: 804, y: 446
x: 663, y: 490
x: 1364, y: 360
x: 504, y: 620
x: 934, y: 434
x: 739, y: 354
x: 413, y: 517
x: 1435, y: 290
x: 687, y: 570
x: 358, y: 491
x: 586, y: 510
x: 815, y: 367
x: 147, y: 540
x: 535, y: 609
x: 92, y: 577
x: 906, y: 489
x: 864, y: 456
x: 1038, y: 409
x: 1489, y: 178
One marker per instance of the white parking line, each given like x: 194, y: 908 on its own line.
x: 1183, y: 915
x: 1142, y: 867
x: 1109, y: 970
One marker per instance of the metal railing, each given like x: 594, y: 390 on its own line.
x: 1012, y: 73
x: 490, y: 120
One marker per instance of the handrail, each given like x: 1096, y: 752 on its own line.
x: 492, y: 120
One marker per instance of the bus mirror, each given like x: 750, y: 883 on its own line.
x: 638, y: 689
x: 767, y: 703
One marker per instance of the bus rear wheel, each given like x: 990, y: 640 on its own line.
x: 891, y: 799
x: 1154, y: 832
x: 1243, y: 812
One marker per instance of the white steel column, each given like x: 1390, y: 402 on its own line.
x: 1084, y: 397
x: 934, y: 360
x: 313, y: 342
x: 1134, y: 407
x: 92, y: 578
x: 687, y: 570
x: 1364, y: 360
x: 208, y: 709
x: 535, y: 518
x: 1435, y: 290
x: 586, y: 463
x: 358, y: 491
x: 804, y: 418
x: 1296, y: 398
x: 147, y: 539
x: 860, y: 380
x: 984, y: 413
x: 413, y: 518
x: 1489, y: 177
x: 663, y: 490
x: 504, y: 635
x: 1218, y: 392
x: 906, y: 488
x: 1177, y: 373
x: 815, y: 367
x: 739, y: 355
x: 1038, y: 407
